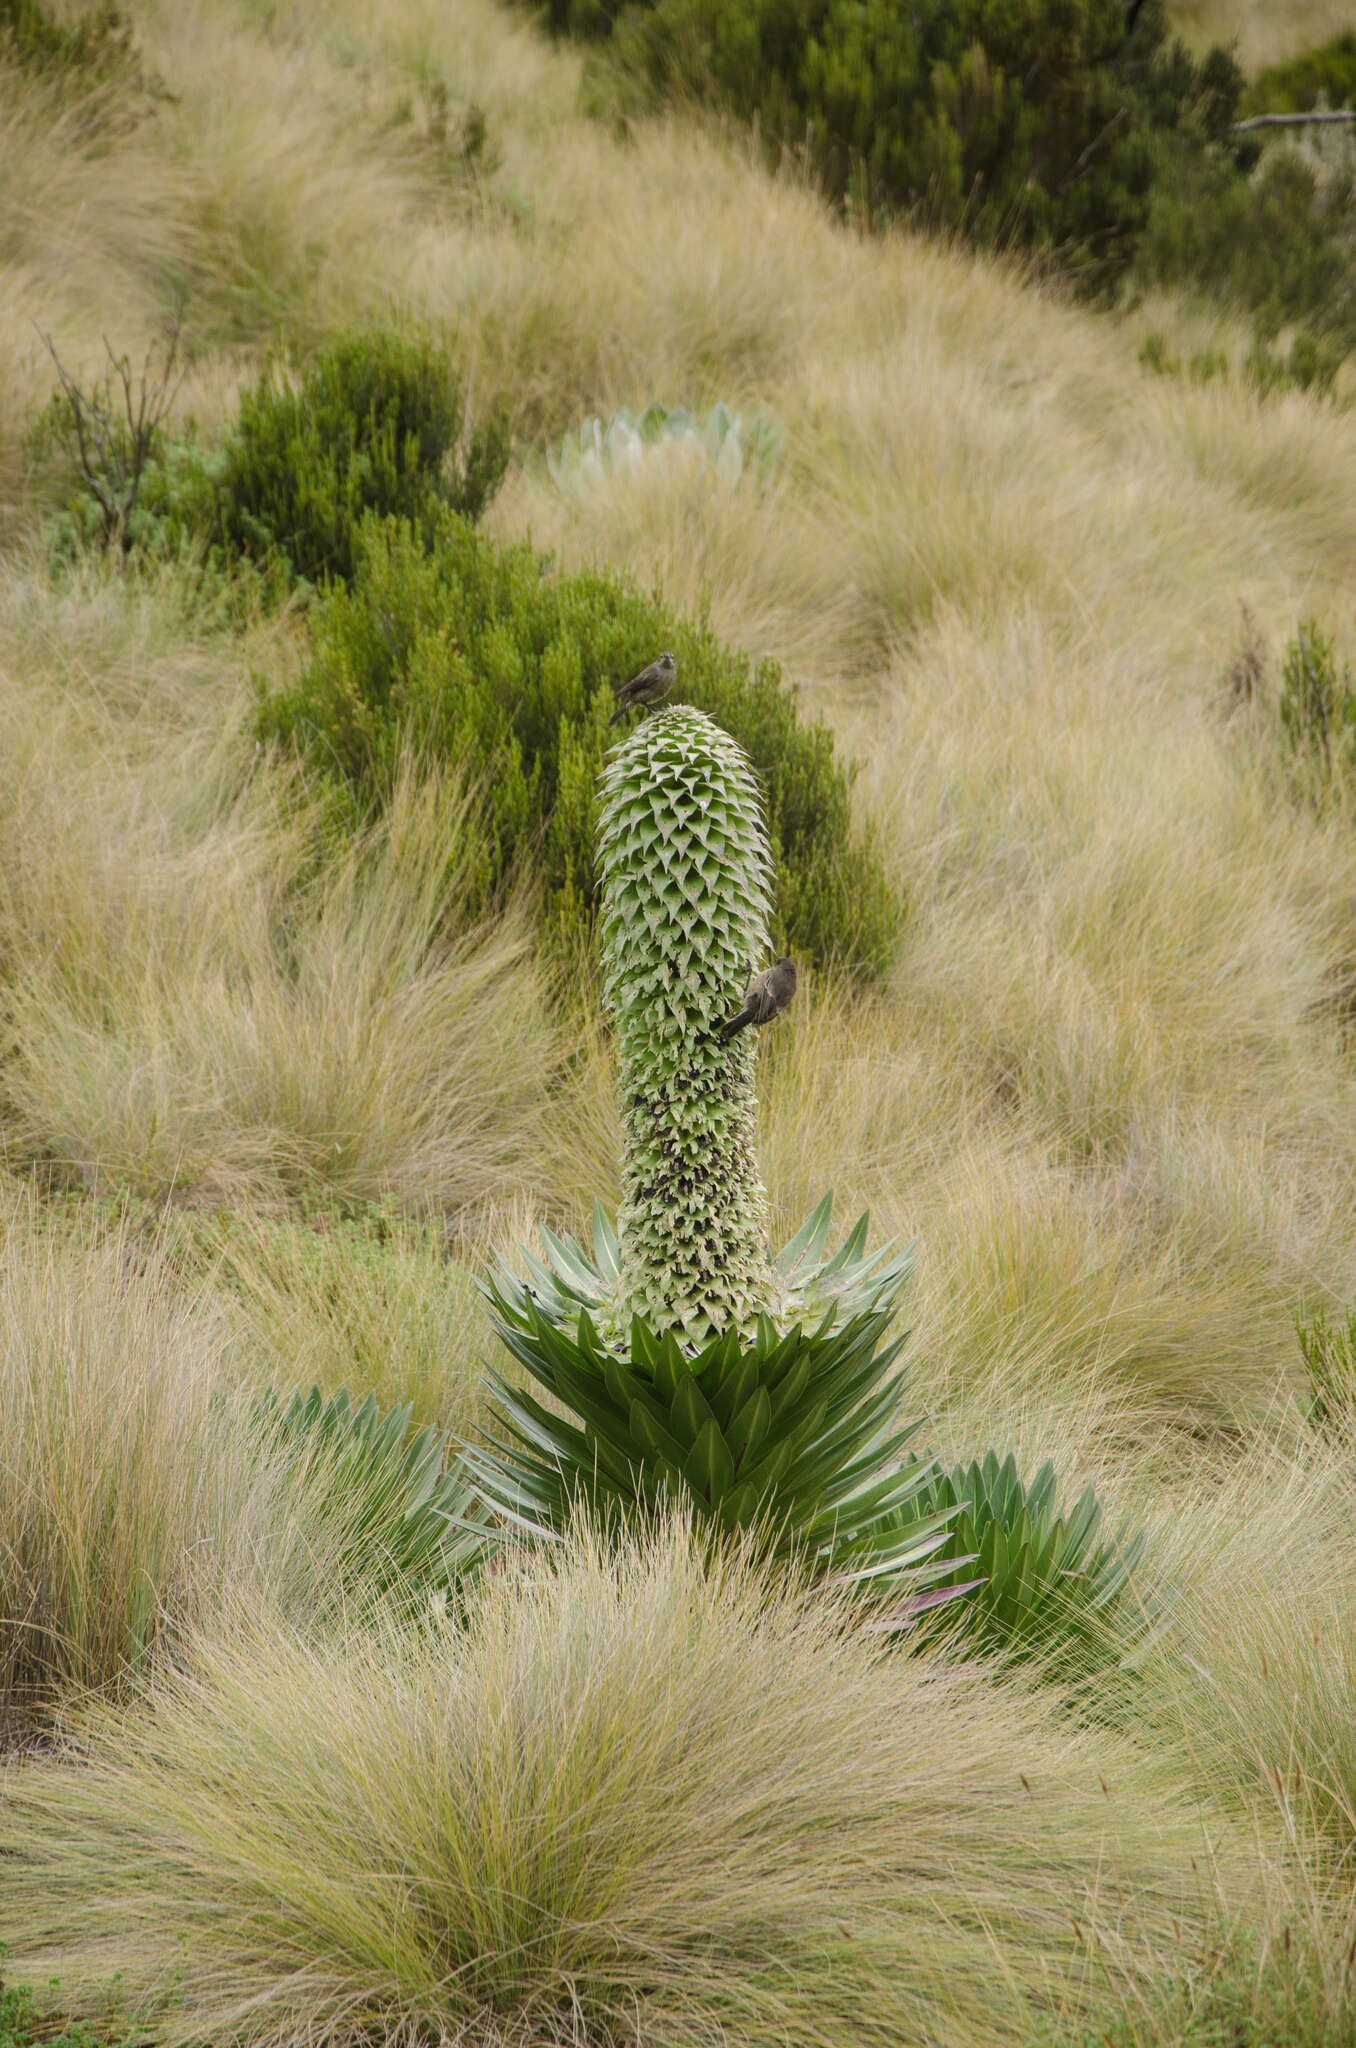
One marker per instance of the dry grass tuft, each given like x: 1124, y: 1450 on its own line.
x: 128, y: 1498
x: 638, y: 1800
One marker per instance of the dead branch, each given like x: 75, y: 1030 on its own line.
x: 112, y: 441
x: 1289, y: 121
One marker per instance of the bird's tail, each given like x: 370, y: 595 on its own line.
x: 733, y: 1025
x: 619, y: 715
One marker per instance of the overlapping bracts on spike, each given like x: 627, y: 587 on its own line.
x: 686, y: 882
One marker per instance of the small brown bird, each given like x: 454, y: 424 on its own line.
x: 651, y: 686
x: 766, y: 996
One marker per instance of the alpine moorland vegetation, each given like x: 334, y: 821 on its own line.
x: 279, y: 1082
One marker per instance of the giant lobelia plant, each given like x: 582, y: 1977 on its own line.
x: 691, y: 1365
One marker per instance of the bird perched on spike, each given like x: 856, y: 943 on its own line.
x: 766, y: 996
x: 651, y: 686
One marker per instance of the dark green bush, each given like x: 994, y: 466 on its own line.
x: 1018, y: 123
x: 470, y: 652
x: 1272, y: 243
x: 375, y: 425
x: 1047, y: 125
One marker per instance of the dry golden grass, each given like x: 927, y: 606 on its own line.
x: 1262, y: 31
x: 639, y: 1800
x: 1103, y: 1086
x: 220, y: 1001
x: 132, y: 1502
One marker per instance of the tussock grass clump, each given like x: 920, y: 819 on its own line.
x: 145, y: 1481
x: 126, y: 1494
x: 372, y: 1302
x: 255, y: 1008
x: 641, y: 1798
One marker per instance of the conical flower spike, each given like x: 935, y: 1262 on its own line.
x: 686, y: 877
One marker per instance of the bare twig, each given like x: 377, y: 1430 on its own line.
x: 1289, y: 121
x: 1085, y: 156
x: 112, y: 442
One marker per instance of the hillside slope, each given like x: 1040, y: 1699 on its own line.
x: 1006, y: 563
x: 1041, y: 596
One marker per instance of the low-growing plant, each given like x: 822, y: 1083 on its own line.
x: 26, y: 2023
x: 376, y: 423
x: 391, y: 1515
x: 1318, y: 702
x: 1033, y: 1581
x: 734, y: 449
x: 471, y: 652
x: 1329, y: 1353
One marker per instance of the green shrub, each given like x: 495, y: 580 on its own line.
x: 1327, y: 73
x: 1018, y: 123
x: 474, y: 653
x: 1272, y: 244
x: 1035, y: 1581
x: 1317, y: 703
x: 374, y: 425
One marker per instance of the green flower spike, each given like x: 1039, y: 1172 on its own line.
x: 680, y: 1361
x: 686, y: 879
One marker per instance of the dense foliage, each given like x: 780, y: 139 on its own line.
x: 1019, y: 123
x: 471, y: 652
x: 1075, y: 129
x: 375, y: 425
x: 1273, y: 243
